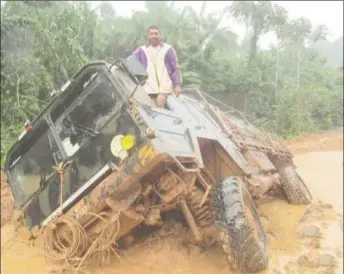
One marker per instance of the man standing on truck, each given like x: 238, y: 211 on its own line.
x: 161, y: 63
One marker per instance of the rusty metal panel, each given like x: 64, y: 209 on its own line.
x: 259, y: 160
x: 133, y: 165
x: 234, y: 152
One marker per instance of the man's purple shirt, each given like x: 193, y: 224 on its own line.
x: 171, y: 63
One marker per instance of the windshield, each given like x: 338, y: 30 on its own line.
x: 35, y: 163
x: 84, y: 119
x: 90, y: 104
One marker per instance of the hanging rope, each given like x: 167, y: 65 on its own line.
x: 60, y: 168
x: 66, y: 241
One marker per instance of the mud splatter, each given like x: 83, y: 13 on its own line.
x: 290, y: 250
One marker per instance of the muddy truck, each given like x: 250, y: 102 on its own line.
x: 101, y: 162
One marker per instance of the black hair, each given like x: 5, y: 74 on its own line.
x: 153, y: 27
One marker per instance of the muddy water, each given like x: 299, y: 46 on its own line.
x: 322, y: 172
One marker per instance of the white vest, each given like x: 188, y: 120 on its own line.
x: 158, y: 81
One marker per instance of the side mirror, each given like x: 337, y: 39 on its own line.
x: 136, y: 69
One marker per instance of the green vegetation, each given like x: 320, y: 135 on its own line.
x: 289, y: 87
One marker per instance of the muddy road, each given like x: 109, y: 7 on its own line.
x: 302, y: 239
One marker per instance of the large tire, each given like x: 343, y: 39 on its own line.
x: 241, y: 231
x: 293, y: 187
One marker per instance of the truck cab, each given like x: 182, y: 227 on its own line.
x: 77, y: 126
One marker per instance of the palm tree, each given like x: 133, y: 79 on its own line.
x: 256, y: 14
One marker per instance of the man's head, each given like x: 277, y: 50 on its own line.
x: 153, y: 35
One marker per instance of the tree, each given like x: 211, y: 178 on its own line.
x: 289, y: 87
x: 279, y: 22
x: 256, y: 14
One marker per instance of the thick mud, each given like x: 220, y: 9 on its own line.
x: 6, y: 200
x: 302, y: 239
x: 321, y: 142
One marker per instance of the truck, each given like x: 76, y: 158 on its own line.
x: 101, y: 161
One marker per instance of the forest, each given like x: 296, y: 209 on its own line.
x: 291, y: 87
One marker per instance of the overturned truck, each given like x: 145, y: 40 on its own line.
x: 101, y: 160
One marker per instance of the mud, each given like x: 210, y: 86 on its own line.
x: 321, y: 142
x: 6, y: 200
x: 302, y: 239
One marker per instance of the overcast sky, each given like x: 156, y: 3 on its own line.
x: 329, y: 13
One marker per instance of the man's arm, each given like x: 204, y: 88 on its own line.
x: 141, y: 56
x: 172, y: 66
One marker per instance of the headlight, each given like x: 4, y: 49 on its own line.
x: 128, y: 142
x: 121, y: 144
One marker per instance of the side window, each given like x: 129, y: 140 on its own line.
x: 36, y: 161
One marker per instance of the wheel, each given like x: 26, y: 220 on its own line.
x: 293, y: 187
x: 241, y: 232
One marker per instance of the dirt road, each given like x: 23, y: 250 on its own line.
x: 302, y: 239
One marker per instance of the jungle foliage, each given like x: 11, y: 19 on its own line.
x: 288, y: 87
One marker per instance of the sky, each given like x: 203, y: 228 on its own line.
x: 329, y: 13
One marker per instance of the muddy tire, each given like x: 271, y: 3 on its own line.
x: 293, y: 187
x: 241, y: 232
